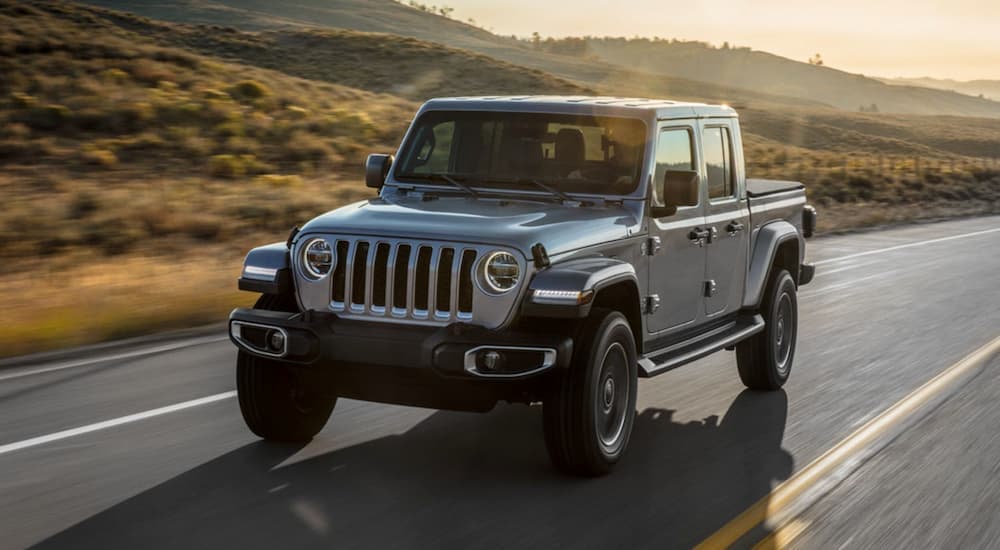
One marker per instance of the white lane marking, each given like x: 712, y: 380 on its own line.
x: 907, y: 245
x: 116, y: 357
x: 845, y: 268
x: 41, y: 440
x: 843, y: 285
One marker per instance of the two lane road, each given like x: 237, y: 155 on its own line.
x: 148, y: 450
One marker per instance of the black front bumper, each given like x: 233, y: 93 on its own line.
x: 381, y: 361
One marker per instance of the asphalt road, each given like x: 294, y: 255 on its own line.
x: 887, y: 311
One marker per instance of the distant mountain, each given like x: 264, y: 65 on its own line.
x: 740, y: 74
x: 989, y: 89
x: 773, y: 74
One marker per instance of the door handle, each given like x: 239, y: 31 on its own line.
x: 698, y: 236
x: 734, y: 227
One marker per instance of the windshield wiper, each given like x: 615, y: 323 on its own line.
x: 550, y: 190
x: 445, y: 177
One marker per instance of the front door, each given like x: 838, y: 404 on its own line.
x: 677, y: 269
x: 727, y: 217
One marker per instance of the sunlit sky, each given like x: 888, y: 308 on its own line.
x: 939, y: 38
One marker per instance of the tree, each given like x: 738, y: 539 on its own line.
x: 816, y: 60
x: 536, y: 39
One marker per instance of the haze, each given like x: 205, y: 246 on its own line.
x: 954, y: 39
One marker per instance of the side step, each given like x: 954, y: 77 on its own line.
x: 670, y: 358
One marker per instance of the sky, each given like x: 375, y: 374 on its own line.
x: 957, y: 39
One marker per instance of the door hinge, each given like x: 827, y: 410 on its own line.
x: 650, y: 246
x: 710, y: 288
x: 652, y: 303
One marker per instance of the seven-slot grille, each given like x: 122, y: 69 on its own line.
x: 405, y: 280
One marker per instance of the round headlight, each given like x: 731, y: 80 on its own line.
x: 501, y: 272
x: 317, y: 258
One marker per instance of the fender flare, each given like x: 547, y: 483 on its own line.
x: 765, y: 247
x: 266, y: 269
x: 581, y: 275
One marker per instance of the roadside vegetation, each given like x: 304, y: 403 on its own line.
x: 139, y: 160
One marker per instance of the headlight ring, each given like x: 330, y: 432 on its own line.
x: 500, y: 272
x: 317, y: 258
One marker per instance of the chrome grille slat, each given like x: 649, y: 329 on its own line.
x: 432, y: 281
x: 411, y: 278
x: 390, y: 274
x: 370, y: 276
x: 444, y: 271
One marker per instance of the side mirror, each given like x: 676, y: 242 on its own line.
x: 376, y: 170
x: 680, y: 188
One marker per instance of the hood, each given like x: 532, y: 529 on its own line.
x: 511, y: 222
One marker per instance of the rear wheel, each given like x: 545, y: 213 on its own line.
x: 765, y: 359
x: 276, y: 403
x: 588, y: 415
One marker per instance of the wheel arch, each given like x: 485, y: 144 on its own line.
x: 623, y: 297
x: 777, y: 245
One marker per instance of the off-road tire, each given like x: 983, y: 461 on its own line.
x: 275, y: 403
x: 765, y: 359
x: 584, y: 433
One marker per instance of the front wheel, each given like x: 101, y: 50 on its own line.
x: 276, y: 403
x: 765, y: 359
x: 588, y: 415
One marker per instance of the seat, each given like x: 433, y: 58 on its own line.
x: 522, y: 156
x: 569, y: 150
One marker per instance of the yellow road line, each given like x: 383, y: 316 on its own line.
x: 786, y: 493
x: 782, y: 537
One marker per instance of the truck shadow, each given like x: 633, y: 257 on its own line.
x: 463, y: 481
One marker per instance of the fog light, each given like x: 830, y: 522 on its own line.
x: 491, y: 360
x: 276, y: 341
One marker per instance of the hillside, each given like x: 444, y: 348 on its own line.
x: 392, y: 64
x: 990, y: 89
x: 129, y: 145
x: 758, y: 73
x: 773, y: 74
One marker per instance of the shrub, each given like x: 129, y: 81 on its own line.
x: 235, y: 166
x: 249, y: 90
x: 203, y: 227
x: 278, y: 180
x: 82, y: 205
x: 297, y: 113
x: 21, y: 100
x: 226, y: 166
x: 114, y: 75
x: 99, y: 157
x: 45, y: 117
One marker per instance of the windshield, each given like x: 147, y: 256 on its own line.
x: 569, y: 153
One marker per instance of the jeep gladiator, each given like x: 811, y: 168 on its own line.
x: 529, y: 249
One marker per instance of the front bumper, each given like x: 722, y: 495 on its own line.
x: 456, y: 351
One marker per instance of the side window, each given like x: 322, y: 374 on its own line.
x: 673, y: 152
x: 718, y: 162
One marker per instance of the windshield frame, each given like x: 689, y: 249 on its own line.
x: 481, y: 183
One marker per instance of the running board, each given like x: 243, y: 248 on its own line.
x: 685, y: 352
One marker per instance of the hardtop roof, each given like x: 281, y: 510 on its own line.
x: 584, y: 105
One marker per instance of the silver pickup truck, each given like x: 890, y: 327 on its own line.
x: 529, y: 249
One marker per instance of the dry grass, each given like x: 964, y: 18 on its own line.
x: 139, y: 160
x: 66, y: 301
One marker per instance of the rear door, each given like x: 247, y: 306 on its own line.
x: 726, y: 216
x: 677, y: 269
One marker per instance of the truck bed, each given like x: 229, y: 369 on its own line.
x: 760, y: 188
x: 771, y: 200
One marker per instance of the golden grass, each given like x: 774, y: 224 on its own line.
x: 141, y: 160
x: 66, y: 302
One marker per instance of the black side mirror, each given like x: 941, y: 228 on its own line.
x: 680, y: 188
x: 377, y: 169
